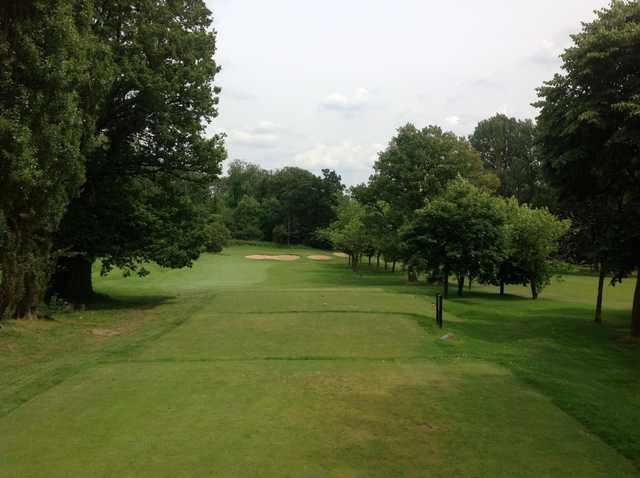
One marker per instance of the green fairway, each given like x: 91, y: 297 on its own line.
x: 259, y: 368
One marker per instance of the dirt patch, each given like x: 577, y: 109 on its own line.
x: 319, y: 258
x: 283, y: 258
x: 105, y: 332
x: 340, y: 254
x: 135, y: 319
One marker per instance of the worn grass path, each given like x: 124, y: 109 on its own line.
x: 245, y: 368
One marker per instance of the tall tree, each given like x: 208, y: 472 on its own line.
x: 418, y: 164
x: 46, y: 57
x: 589, y: 127
x: 507, y: 147
x: 147, y: 184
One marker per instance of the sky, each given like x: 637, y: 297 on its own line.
x: 325, y: 84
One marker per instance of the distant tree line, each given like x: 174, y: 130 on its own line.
x: 286, y: 206
x: 103, y: 108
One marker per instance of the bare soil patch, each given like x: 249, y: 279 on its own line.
x: 105, y: 332
x: 319, y: 258
x: 340, y: 254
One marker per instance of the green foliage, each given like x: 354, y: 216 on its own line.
x: 588, y: 124
x: 459, y: 232
x: 507, y: 148
x: 279, y: 234
x: 532, y: 239
x: 148, y: 180
x: 245, y: 219
x: 294, y: 203
x: 349, y: 232
x: 218, y: 235
x: 45, y: 61
x: 418, y: 164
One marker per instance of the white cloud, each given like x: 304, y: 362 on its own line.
x: 346, y: 103
x: 265, y: 135
x: 345, y: 156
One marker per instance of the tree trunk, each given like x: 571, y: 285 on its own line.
x: 23, y: 273
x: 601, y: 276
x: 385, y: 265
x: 393, y: 266
x: 469, y: 283
x: 445, y: 282
x: 460, y: 284
x: 501, y: 286
x: 370, y: 255
x: 26, y: 306
x: 412, y: 277
x: 534, y: 289
x: 378, y: 261
x: 635, y: 312
x: 72, y: 280
x: 354, y: 263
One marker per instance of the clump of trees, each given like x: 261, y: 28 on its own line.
x: 103, y: 107
x: 433, y: 204
x: 589, y: 127
x: 482, y: 208
x: 288, y: 206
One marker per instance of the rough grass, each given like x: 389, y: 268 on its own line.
x: 245, y: 368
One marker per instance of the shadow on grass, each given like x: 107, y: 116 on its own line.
x: 107, y: 302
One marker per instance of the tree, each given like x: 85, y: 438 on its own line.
x: 533, y: 237
x: 509, y: 269
x: 418, y: 164
x: 507, y: 148
x: 588, y: 127
x: 349, y: 232
x: 295, y: 202
x: 147, y: 183
x: 246, y: 218
x: 458, y: 232
x: 244, y: 179
x: 46, y: 56
x: 218, y: 236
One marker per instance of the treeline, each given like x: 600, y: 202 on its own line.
x: 441, y: 204
x: 103, y: 108
x: 287, y: 205
x: 441, y: 208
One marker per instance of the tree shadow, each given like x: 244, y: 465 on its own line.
x: 107, y: 302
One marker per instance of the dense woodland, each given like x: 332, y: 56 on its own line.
x: 104, y: 157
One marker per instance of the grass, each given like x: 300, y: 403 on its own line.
x: 244, y: 368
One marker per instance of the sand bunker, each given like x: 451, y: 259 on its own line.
x: 284, y: 258
x: 319, y: 258
x: 340, y: 254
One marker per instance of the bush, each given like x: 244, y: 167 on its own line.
x: 218, y: 236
